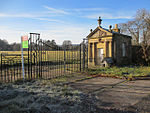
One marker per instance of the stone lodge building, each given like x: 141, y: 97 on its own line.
x: 108, y: 46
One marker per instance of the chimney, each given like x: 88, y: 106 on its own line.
x: 116, y: 29
x: 116, y: 26
x: 99, y: 21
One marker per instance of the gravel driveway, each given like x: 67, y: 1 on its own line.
x: 131, y: 96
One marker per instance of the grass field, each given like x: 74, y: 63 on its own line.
x: 45, y: 55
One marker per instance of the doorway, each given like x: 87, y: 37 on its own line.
x: 100, y: 55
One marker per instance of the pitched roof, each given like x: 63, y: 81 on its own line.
x: 107, y: 30
x: 93, y: 32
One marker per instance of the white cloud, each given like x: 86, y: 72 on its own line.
x: 11, y: 35
x: 74, y: 32
x: 47, y: 19
x: 55, y: 11
x: 89, y: 9
x: 108, y: 16
x: 42, y: 16
x: 59, y: 33
x: 49, y: 13
x: 105, y: 13
x: 18, y: 15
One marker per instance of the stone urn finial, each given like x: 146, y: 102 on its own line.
x: 110, y: 26
x: 99, y: 21
x: 91, y: 30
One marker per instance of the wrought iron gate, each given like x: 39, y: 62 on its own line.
x: 49, y: 60
x: 43, y: 59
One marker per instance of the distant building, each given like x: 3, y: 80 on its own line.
x: 108, y: 46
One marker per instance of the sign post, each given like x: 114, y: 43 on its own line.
x: 24, y: 44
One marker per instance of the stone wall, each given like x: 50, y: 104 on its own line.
x: 117, y: 49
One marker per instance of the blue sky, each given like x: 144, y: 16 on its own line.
x: 62, y: 19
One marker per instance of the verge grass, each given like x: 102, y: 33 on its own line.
x: 131, y: 71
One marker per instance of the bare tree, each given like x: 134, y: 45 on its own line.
x: 139, y: 29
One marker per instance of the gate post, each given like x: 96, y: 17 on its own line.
x: 28, y: 59
x: 39, y: 62
x: 83, y: 56
x: 80, y: 57
x: 41, y: 56
x: 1, y: 66
x: 31, y: 41
x: 64, y: 60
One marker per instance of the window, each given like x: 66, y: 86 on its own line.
x: 107, y: 49
x: 124, y: 49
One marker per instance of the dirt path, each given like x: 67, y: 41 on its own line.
x: 116, y: 94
